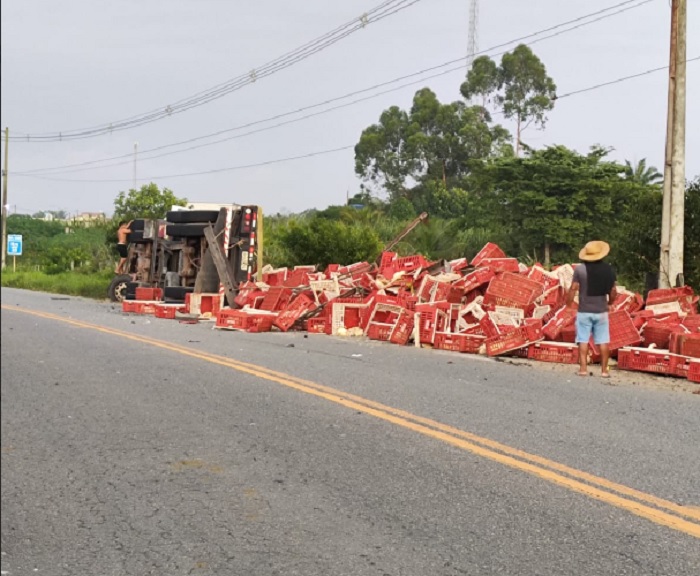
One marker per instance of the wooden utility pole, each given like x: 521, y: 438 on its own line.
x: 4, y: 199
x: 673, y: 213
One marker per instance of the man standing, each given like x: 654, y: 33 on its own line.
x: 122, y: 235
x: 595, y: 282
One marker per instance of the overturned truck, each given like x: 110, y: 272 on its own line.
x: 198, y: 248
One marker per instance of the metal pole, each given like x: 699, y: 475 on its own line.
x: 675, y: 253
x: 664, y: 276
x: 4, y: 199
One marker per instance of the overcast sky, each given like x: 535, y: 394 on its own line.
x: 74, y: 64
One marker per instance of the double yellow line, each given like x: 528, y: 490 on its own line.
x: 663, y: 512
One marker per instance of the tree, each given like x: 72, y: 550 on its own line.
x: 528, y: 92
x: 148, y: 202
x: 380, y: 157
x: 557, y: 198
x: 520, y: 87
x: 641, y: 173
x: 431, y: 142
x: 482, y: 80
x: 322, y: 242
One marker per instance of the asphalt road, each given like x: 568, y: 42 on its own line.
x: 134, y: 446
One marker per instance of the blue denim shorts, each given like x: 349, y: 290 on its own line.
x: 596, y: 324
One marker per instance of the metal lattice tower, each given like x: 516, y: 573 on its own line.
x: 473, y: 38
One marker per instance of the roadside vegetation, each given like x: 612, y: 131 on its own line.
x: 476, y: 180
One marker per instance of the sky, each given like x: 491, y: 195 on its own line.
x: 77, y: 64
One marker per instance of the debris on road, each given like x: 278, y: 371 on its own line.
x: 493, y: 305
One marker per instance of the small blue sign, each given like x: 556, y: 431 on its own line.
x: 14, y: 244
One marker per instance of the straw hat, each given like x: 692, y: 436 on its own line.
x: 593, y: 251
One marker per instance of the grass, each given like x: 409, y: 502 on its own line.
x: 71, y: 283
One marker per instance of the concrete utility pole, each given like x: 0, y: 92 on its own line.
x: 673, y: 214
x: 4, y: 199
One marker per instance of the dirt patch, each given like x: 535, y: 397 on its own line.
x: 617, y: 377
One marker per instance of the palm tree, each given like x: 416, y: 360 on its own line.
x: 641, y: 173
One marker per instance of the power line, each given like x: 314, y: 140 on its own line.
x: 89, y: 164
x: 383, y: 10
x: 212, y: 171
x: 618, y: 80
x: 323, y: 152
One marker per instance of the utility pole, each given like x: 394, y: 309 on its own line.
x: 4, y: 199
x: 673, y: 212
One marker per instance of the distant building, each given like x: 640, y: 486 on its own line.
x: 89, y: 218
x: 48, y: 217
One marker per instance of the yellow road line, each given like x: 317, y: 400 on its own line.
x: 575, y: 480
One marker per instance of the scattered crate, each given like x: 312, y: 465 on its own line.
x: 560, y: 352
x: 646, y: 360
x: 490, y: 250
x: 465, y: 343
x: 168, y: 311
x: 244, y: 320
x: 694, y: 371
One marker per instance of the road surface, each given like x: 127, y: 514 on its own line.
x: 138, y: 446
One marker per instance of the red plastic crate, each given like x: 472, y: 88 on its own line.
x: 241, y: 320
x: 276, y: 298
x: 503, y: 343
x: 168, y: 311
x: 660, y: 336
x: 148, y: 294
x: 645, y: 360
x: 379, y: 331
x: 533, y: 329
x: 683, y: 295
x: 681, y: 365
x: 690, y: 345
x: 563, y: 318
x: 622, y: 330
x: 490, y: 250
x: 475, y: 279
x: 692, y: 322
x: 143, y: 307
x: 502, y: 264
x: 562, y: 353
x: 316, y: 325
x: 694, y: 371
x: 431, y: 320
x: 296, y: 308
x: 403, y: 329
x: 465, y: 343
x: 513, y: 291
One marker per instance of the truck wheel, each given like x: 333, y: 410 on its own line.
x: 118, y: 288
x: 185, y: 230
x: 192, y: 216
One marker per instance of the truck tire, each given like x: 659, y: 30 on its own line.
x: 185, y: 230
x: 118, y: 288
x: 191, y: 216
x: 176, y: 293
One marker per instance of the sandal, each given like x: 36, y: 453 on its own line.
x: 582, y: 373
x: 605, y: 375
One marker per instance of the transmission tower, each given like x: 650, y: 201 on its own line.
x: 473, y: 38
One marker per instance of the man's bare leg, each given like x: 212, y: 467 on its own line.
x: 604, y: 357
x: 583, y: 358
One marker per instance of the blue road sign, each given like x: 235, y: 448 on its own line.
x: 14, y: 244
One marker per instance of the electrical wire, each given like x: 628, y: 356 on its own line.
x: 322, y: 152
x: 383, y: 10
x: 128, y: 158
